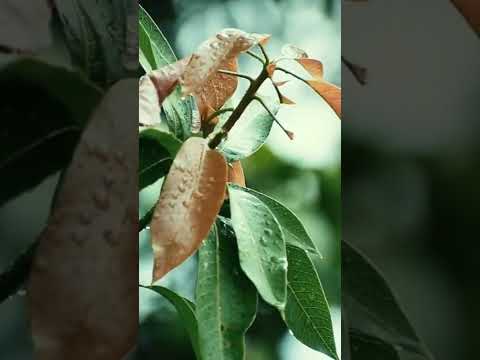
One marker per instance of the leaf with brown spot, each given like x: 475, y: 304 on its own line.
x: 191, y: 198
x: 470, y: 9
x: 330, y: 93
x: 201, y: 77
x: 82, y: 291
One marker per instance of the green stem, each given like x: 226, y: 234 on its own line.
x: 242, y: 106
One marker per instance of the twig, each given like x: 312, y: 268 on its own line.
x: 217, y: 113
x: 267, y: 59
x: 287, y: 132
x: 252, y: 54
x: 231, y: 73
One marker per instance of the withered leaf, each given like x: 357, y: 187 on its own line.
x: 330, y: 93
x: 82, y: 291
x: 190, y: 200
x: 201, y: 77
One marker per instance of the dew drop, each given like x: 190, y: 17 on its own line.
x: 263, y: 240
x: 185, y: 203
x: 181, y: 188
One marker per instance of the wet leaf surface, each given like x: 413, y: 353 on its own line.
x: 191, y: 198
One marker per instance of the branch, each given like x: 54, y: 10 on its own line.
x: 252, y: 54
x: 246, y: 100
x: 231, y: 73
x: 217, y: 113
x: 287, y: 132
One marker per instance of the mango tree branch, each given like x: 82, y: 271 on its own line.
x: 242, y: 106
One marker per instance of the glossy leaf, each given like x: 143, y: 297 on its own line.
x: 293, y: 229
x: 185, y: 309
x: 91, y: 235
x: 191, y: 198
x: 251, y: 130
x: 372, y: 308
x: 155, y: 53
x: 59, y: 104
x: 226, y: 299
x: 261, y: 245
x: 157, y: 150
x: 307, y: 313
x: 313, y: 67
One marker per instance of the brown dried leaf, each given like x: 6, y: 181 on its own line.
x: 313, y: 67
x: 330, y: 93
x: 201, y: 77
x: 191, y: 198
x: 82, y: 291
x: 470, y: 10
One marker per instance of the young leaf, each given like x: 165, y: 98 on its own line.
x: 226, y: 299
x: 330, y: 93
x: 293, y: 229
x: 261, y: 245
x: 202, y: 79
x: 371, y: 305
x: 251, y: 130
x: 91, y: 235
x: 155, y: 53
x: 236, y: 174
x: 191, y: 198
x: 307, y: 313
x: 313, y: 67
x: 186, y: 311
x: 157, y: 150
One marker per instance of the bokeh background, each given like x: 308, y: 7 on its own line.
x: 304, y: 174
x: 410, y: 160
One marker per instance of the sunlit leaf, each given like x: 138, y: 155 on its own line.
x: 251, y: 130
x: 91, y: 235
x: 191, y: 198
x: 372, y: 308
x: 293, y: 52
x: 186, y: 311
x: 332, y: 94
x: 261, y: 245
x: 157, y: 150
x: 226, y: 299
x: 313, y: 67
x: 307, y: 313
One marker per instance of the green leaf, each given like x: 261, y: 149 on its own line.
x: 186, y: 311
x: 96, y: 34
x: 251, y: 130
x: 44, y: 109
x: 226, y: 299
x: 307, y: 313
x: 293, y: 229
x: 372, y: 308
x: 261, y: 245
x: 157, y: 150
x: 368, y: 347
x: 156, y: 52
